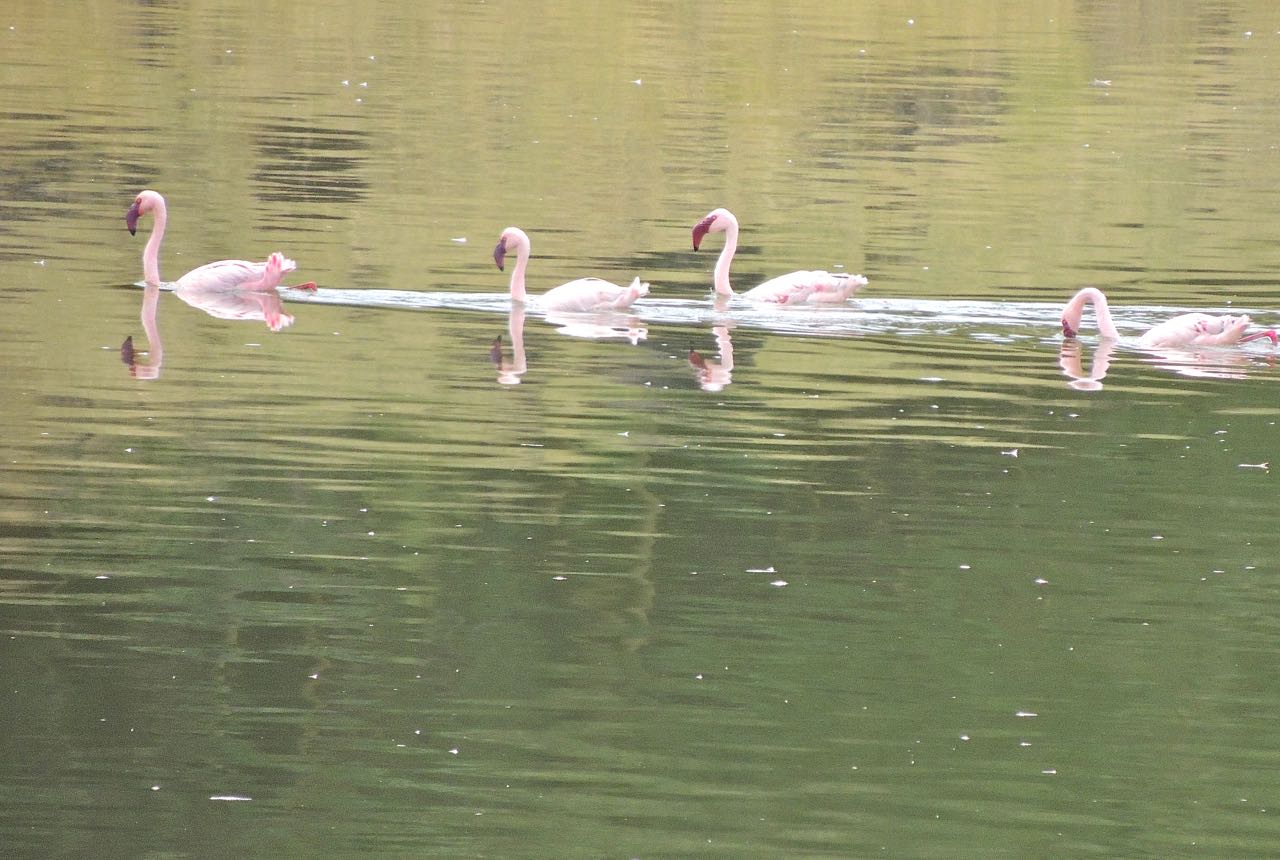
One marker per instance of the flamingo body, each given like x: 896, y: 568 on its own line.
x: 1189, y: 329
x: 224, y: 276
x: 238, y: 274
x: 807, y: 287
x: 581, y: 295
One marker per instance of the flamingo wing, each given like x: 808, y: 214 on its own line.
x: 811, y: 287
x: 1182, y: 330
x: 592, y: 294
x: 238, y: 274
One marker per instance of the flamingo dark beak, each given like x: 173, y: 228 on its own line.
x: 500, y: 253
x: 701, y: 229
x: 1067, y: 330
x: 131, y: 218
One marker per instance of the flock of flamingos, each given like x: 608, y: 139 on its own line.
x: 239, y: 289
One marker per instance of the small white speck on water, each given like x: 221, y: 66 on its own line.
x: 1025, y: 714
x: 559, y: 577
x: 779, y: 583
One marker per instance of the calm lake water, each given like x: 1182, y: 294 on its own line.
x: 418, y: 577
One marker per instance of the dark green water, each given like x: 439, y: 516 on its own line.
x: 889, y: 586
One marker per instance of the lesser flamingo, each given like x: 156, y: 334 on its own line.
x: 584, y: 294
x: 1190, y: 329
x: 816, y: 287
x: 224, y: 275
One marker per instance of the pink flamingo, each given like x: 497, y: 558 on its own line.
x: 224, y: 275
x: 813, y: 288
x: 584, y: 294
x: 1192, y: 329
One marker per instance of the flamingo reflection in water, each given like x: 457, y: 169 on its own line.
x: 155, y: 348
x: 598, y: 326
x: 236, y: 304
x: 1199, y: 363
x: 715, y: 375
x: 1071, y: 360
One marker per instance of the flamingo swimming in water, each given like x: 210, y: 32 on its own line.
x: 225, y: 275
x: 1191, y: 329
x: 584, y: 294
x: 813, y: 288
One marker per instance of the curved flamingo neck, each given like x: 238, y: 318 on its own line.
x: 1074, y: 310
x: 151, y: 253
x: 726, y: 255
x: 517, y: 272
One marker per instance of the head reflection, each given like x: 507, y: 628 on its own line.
x: 591, y: 326
x: 715, y: 375
x: 149, y: 369
x: 1070, y: 359
x: 509, y: 372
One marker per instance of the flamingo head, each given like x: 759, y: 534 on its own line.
x: 511, y: 239
x: 1067, y: 329
x: 145, y: 202
x: 717, y: 221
